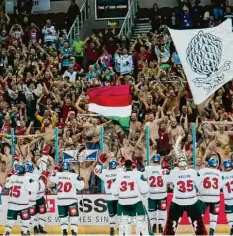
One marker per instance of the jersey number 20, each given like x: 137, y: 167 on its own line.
x: 64, y: 187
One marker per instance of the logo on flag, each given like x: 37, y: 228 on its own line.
x: 73, y: 156
x: 204, y: 54
x: 206, y: 57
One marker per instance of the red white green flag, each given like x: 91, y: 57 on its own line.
x: 112, y: 102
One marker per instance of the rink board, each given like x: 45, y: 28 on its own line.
x: 104, y: 230
x: 93, y: 216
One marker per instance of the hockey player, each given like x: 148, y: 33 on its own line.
x: 18, y: 204
x: 0, y: 197
x: 128, y: 187
x: 228, y: 191
x: 29, y: 168
x: 157, y: 201
x: 184, y: 199
x: 108, y: 176
x: 41, y: 172
x: 68, y: 183
x: 41, y: 204
x: 209, y: 185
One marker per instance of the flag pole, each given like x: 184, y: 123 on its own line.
x: 147, y: 145
x: 56, y: 146
x: 194, y: 145
x: 102, y: 151
x: 12, y: 145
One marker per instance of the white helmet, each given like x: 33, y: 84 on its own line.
x: 182, y: 162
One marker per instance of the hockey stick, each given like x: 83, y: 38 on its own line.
x: 149, y: 224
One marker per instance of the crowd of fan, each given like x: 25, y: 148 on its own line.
x: 44, y: 78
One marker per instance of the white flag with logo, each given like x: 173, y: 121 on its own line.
x: 207, y: 58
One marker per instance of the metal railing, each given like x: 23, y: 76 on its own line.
x: 126, y: 28
x: 80, y: 20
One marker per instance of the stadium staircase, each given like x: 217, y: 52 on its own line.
x: 134, y: 24
x: 142, y: 26
x: 79, y: 24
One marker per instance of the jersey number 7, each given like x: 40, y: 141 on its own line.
x: 109, y: 183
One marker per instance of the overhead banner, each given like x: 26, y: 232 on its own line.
x: 93, y: 210
x: 41, y: 5
x: 38, y: 6
x: 111, y: 9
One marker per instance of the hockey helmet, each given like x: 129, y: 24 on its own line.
x: 112, y: 164
x: 29, y: 166
x: 20, y: 169
x: 227, y: 164
x: 182, y: 162
x: 156, y: 158
x: 213, y: 162
x: 66, y: 166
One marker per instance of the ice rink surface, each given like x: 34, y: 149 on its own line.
x: 116, y: 234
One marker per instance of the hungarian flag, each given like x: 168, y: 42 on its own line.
x: 112, y: 102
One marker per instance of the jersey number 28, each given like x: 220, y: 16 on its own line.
x: 156, y: 182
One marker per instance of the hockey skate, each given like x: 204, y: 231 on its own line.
x: 154, y: 228
x: 211, y: 232
x: 160, y: 229
x: 112, y: 231
x: 36, y: 231
x: 231, y: 232
x: 65, y: 232
x: 73, y: 233
x: 41, y: 230
x: 7, y: 233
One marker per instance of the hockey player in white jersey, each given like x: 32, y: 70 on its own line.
x: 108, y: 176
x: 228, y: 191
x: 157, y: 201
x: 67, y: 202
x: 209, y: 185
x: 40, y: 212
x: 41, y: 208
x: 128, y: 187
x: 32, y: 173
x: 18, y: 203
x: 0, y: 197
x: 184, y: 199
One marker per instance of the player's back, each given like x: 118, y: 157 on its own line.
x: 184, y: 186
x: 228, y: 186
x: 108, y: 176
x: 68, y: 184
x: 32, y: 195
x: 209, y: 184
x: 157, y: 182
x: 129, y: 186
x: 19, y: 191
